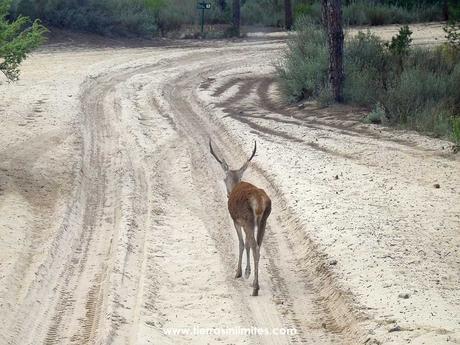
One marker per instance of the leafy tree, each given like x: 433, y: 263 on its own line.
x: 17, y: 38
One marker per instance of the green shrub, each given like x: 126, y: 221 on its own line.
x: 417, y: 91
x: 456, y: 130
x: 362, y: 12
x: 454, y: 10
x: 311, y: 9
x: 410, y: 87
x: 452, y: 31
x: 262, y: 12
x: 303, y: 10
x: 303, y: 70
x: 366, y: 62
x: 376, y: 116
x: 399, y: 44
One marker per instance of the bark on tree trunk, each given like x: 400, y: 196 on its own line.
x: 332, y: 20
x: 236, y: 17
x: 222, y: 4
x: 40, y: 7
x: 445, y: 10
x: 288, y: 14
x: 324, y: 9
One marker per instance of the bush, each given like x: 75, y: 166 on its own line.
x: 399, y: 44
x: 361, y: 12
x: 456, y: 130
x: 107, y: 17
x: 311, y: 10
x: 262, y: 12
x: 303, y: 69
x: 413, y: 88
x: 452, y: 31
x: 119, y: 17
x: 302, y: 10
x: 376, y: 116
x: 366, y: 62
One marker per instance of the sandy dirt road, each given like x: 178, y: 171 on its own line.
x: 114, y: 229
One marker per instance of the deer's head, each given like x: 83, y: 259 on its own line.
x: 232, y: 177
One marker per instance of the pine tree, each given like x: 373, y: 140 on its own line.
x: 332, y: 21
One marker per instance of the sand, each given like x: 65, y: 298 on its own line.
x: 113, y: 220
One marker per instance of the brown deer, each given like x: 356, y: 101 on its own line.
x: 249, y: 208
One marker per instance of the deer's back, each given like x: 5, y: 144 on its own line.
x: 245, y: 200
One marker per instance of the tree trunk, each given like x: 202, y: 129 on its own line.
x: 445, y: 10
x: 332, y: 21
x: 40, y: 8
x: 236, y: 17
x: 222, y: 4
x: 288, y: 14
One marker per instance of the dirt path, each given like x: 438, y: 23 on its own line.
x: 114, y: 228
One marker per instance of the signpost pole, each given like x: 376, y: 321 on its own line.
x: 203, y: 6
x: 202, y: 20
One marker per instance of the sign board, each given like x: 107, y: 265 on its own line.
x: 203, y: 6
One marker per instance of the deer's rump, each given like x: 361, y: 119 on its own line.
x: 255, y: 200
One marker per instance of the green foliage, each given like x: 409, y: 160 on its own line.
x: 303, y: 69
x: 154, y: 5
x: 17, y: 39
x: 399, y: 44
x: 362, y: 12
x: 456, y: 129
x: 452, y: 31
x: 310, y: 9
x: 367, y: 68
x: 376, y: 116
x: 454, y: 10
x: 262, y: 12
x: 156, y: 17
x: 108, y: 17
x: 121, y: 17
x: 303, y: 10
x: 421, y: 91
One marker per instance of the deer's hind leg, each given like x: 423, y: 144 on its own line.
x: 249, y: 238
x: 247, y: 271
x: 241, y: 249
x: 256, y: 254
x: 262, y: 222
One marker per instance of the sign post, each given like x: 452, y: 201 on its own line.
x: 202, y: 5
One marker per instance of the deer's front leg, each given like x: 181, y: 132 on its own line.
x: 241, y: 249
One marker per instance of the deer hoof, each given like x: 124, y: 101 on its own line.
x: 238, y: 274
x: 255, y: 292
x: 247, y: 272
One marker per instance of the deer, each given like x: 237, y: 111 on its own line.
x: 249, y: 208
